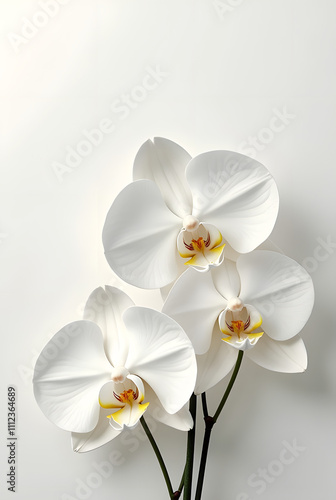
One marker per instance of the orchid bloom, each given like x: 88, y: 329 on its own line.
x: 95, y: 378
x: 182, y: 212
x: 258, y: 304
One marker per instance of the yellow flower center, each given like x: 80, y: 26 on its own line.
x: 238, y: 326
x: 198, y: 245
x: 126, y: 397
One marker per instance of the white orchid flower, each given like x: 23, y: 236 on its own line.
x: 258, y: 304
x: 183, y: 211
x: 95, y: 378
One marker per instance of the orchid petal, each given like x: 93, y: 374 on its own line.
x: 139, y: 236
x: 105, y: 308
x: 235, y: 193
x: 215, y: 364
x: 103, y: 433
x: 270, y: 246
x: 226, y: 279
x: 289, y: 356
x: 279, y: 288
x: 162, y: 355
x: 164, y: 162
x: 164, y: 291
x: 181, y: 420
x: 69, y: 374
x: 195, y: 304
x: 230, y: 253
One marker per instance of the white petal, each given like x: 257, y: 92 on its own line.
x: 103, y: 433
x: 279, y: 288
x: 230, y: 253
x: 195, y: 304
x: 162, y: 355
x: 164, y: 162
x: 226, y: 279
x: 164, y: 291
x: 180, y: 420
x: 215, y: 364
x: 139, y: 236
x: 69, y: 374
x: 105, y: 308
x: 235, y: 193
x: 270, y: 245
x: 289, y: 356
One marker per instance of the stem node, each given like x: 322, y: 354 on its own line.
x: 209, y: 422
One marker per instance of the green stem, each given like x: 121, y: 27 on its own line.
x: 181, y: 485
x: 210, y: 422
x: 179, y: 490
x: 188, y: 471
x: 158, y: 456
x: 204, y: 405
x: 230, y: 385
x: 206, y: 441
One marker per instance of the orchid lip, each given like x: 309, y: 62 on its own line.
x: 125, y: 399
x: 240, y: 325
x: 202, y: 246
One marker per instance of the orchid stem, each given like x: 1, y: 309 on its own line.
x: 179, y: 490
x: 188, y: 471
x: 181, y: 485
x: 204, y: 405
x: 210, y: 422
x: 230, y: 385
x: 158, y: 456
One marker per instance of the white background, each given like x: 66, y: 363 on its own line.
x: 228, y: 71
